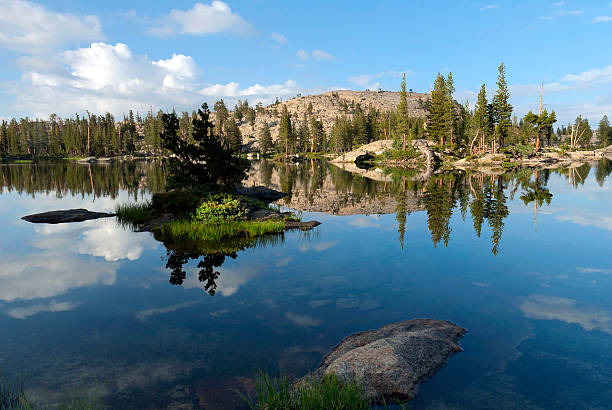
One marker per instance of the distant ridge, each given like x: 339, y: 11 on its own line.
x: 330, y: 105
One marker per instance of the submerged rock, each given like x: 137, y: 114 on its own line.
x: 391, y: 362
x: 64, y: 216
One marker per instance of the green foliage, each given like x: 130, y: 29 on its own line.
x: 286, y: 133
x: 220, y: 208
x: 398, y: 154
x: 501, y: 109
x: 12, y: 396
x: 265, y: 138
x: 327, y: 393
x: 194, y: 230
x: 181, y: 201
x: 402, y: 111
x: 203, y: 161
x: 604, y: 132
x: 135, y: 214
x: 539, y: 126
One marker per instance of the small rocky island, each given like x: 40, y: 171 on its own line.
x: 390, y: 363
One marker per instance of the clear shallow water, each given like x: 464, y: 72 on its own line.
x: 89, y: 305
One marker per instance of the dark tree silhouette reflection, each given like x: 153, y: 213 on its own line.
x: 208, y: 275
x: 210, y: 256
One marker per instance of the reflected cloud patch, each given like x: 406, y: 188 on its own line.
x: 317, y: 247
x: 114, y: 243
x: 229, y: 280
x: 594, y: 270
x: 50, y: 273
x: 302, y: 320
x: 364, y: 221
x: 566, y: 310
x: 596, y: 220
x: 143, y: 314
x: 283, y: 262
x: 52, y: 306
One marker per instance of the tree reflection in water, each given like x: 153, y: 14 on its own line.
x: 180, y: 251
x: 483, y: 196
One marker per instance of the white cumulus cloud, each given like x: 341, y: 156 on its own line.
x: 28, y: 27
x: 202, y: 19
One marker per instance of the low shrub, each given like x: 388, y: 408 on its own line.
x: 220, y: 207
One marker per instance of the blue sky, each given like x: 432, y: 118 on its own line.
x: 66, y: 56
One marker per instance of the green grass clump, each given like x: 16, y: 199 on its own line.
x: 193, y: 230
x: 400, y: 154
x: 134, y: 214
x: 327, y: 393
x: 13, y: 396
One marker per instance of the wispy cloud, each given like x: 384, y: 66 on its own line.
x: 593, y: 75
x: 602, y: 19
x: 318, y: 247
x: 489, y: 7
x: 567, y: 310
x: 598, y: 221
x: 278, y: 38
x: 302, y: 320
x: 143, y: 314
x: 368, y: 80
x: 558, y: 4
x: 563, y: 13
x: 52, y: 306
x: 315, y: 54
x: 594, y: 270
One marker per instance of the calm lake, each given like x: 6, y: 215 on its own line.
x: 521, y: 260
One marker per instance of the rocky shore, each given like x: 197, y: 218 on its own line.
x: 545, y: 158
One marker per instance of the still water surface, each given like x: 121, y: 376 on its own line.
x: 522, y: 261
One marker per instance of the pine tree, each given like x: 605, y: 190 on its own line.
x: 203, y: 161
x: 539, y: 126
x: 221, y: 116
x: 403, y: 127
x: 436, y: 126
x: 360, y: 136
x: 251, y: 116
x: 234, y: 136
x: 501, y: 109
x: 604, y: 131
x: 265, y: 138
x: 450, y: 114
x: 303, y: 135
x: 317, y: 136
x: 285, y: 133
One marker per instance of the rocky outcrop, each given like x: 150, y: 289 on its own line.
x: 549, y: 158
x: 327, y: 107
x: 64, y: 216
x: 390, y: 363
x: 367, y: 150
x: 422, y: 146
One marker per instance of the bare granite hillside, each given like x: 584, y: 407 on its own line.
x: 328, y: 106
